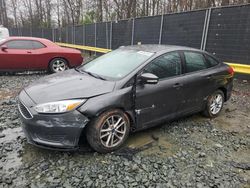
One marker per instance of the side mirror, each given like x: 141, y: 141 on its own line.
x: 148, y: 78
x: 4, y: 48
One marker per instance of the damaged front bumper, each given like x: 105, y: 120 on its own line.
x: 51, y: 131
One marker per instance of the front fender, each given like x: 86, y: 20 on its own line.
x: 118, y: 99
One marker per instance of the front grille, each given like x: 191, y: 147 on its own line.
x: 51, y: 138
x: 24, y: 111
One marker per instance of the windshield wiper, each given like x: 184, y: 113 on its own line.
x: 95, y: 75
x: 90, y: 73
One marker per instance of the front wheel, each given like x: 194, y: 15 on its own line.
x: 58, y: 65
x: 214, y: 104
x: 109, y: 131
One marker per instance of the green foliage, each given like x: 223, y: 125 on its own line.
x: 89, y: 17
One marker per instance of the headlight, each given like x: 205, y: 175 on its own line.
x: 59, y: 106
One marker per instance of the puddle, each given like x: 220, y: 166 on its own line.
x: 233, y: 120
x: 140, y: 139
x: 12, y: 159
x: 151, y: 142
x: 19, y: 151
x: 22, y: 156
x: 11, y: 135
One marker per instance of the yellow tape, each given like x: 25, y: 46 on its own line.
x: 239, y: 68
x: 88, y: 48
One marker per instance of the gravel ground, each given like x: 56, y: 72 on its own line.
x: 191, y: 152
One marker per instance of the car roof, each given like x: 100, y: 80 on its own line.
x: 26, y: 38
x: 44, y: 41
x: 158, y: 48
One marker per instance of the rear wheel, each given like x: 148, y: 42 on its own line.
x: 214, y: 104
x: 58, y: 65
x: 109, y: 131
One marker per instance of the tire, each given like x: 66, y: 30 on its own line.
x: 102, y: 131
x: 58, y: 65
x: 214, y: 104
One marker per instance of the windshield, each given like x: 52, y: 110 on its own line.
x: 116, y: 64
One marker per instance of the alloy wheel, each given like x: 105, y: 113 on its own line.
x: 216, y: 104
x: 59, y: 65
x: 113, y: 131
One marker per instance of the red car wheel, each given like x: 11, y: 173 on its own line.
x: 58, y: 65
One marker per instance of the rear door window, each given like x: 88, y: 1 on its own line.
x: 20, y: 44
x: 37, y: 45
x: 194, y: 61
x: 212, y: 62
x: 165, y: 66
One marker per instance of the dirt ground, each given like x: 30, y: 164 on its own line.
x: 191, y: 152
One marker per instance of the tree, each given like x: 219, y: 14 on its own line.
x: 225, y: 2
x: 28, y: 5
x: 14, y: 8
x: 3, y: 13
x: 99, y: 12
x: 52, y: 13
x: 39, y: 12
x: 58, y: 12
x: 48, y: 8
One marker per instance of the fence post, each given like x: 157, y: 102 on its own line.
x: 21, y: 32
x: 204, y: 30
x: 83, y: 32
x: 53, y: 35
x: 207, y: 27
x: 60, y: 34
x: 42, y: 33
x: 133, y: 32
x: 74, y: 31
x: 95, y: 35
x: 72, y: 34
x: 160, y: 36
x: 31, y: 31
x: 111, y: 34
x: 67, y: 37
x: 10, y: 30
x: 56, y: 34
x: 107, y: 36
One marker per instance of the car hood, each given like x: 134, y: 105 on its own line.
x: 69, y: 84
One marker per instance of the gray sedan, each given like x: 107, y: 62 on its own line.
x: 129, y: 89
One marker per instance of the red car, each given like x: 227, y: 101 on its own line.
x: 28, y: 53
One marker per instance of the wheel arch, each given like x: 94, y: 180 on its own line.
x: 224, y: 90
x: 129, y: 113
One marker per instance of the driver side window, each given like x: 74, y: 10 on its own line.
x: 20, y: 44
x: 165, y: 66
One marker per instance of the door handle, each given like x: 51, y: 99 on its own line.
x: 29, y: 52
x: 177, y: 85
